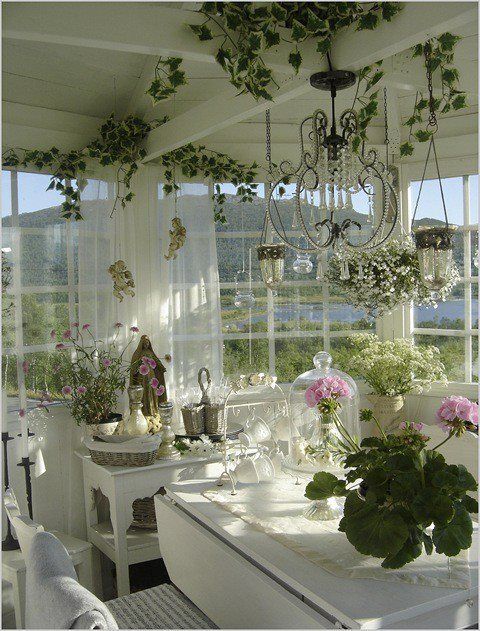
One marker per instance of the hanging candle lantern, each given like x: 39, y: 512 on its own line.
x: 435, y: 252
x: 271, y: 257
x: 302, y: 264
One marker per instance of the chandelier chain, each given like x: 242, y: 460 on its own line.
x: 387, y: 139
x: 432, y: 119
x: 268, y: 141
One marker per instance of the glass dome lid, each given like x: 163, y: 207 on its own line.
x: 311, y: 431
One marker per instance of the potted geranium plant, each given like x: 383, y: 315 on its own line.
x: 393, y: 369
x: 94, y: 374
x: 405, y: 488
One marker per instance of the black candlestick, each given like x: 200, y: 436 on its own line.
x: 9, y: 543
x: 26, y: 464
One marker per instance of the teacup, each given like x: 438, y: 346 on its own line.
x: 245, y: 472
x: 264, y: 467
x: 282, y: 428
x: 255, y: 432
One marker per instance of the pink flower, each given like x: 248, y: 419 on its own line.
x: 86, y: 326
x: 66, y: 390
x: 74, y: 325
x: 152, y: 363
x: 21, y: 413
x: 53, y: 334
x: 25, y: 367
x: 43, y: 405
x: 159, y: 391
x: 60, y: 347
x: 67, y: 334
x: 454, y: 412
x: 326, y: 388
x: 106, y: 362
x: 403, y: 425
x: 118, y: 325
x: 154, y: 383
x: 81, y: 390
x: 417, y: 427
x: 134, y: 329
x: 144, y: 369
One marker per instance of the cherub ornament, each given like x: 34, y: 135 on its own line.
x: 178, y: 236
x: 122, y: 280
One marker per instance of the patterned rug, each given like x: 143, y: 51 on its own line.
x: 162, y: 607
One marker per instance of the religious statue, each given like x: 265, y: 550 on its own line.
x: 178, y: 236
x: 145, y: 356
x: 122, y: 280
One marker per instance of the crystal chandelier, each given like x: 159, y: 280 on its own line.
x: 331, y: 171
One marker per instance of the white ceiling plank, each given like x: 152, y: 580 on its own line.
x: 353, y: 50
x: 43, y: 118
x: 140, y: 102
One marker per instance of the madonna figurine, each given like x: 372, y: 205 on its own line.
x: 150, y: 398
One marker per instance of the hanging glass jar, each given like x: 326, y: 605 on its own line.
x: 244, y: 296
x: 271, y: 257
x: 435, y: 253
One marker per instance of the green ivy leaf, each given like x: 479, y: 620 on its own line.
x: 299, y: 32
x: 454, y: 536
x: 278, y: 11
x: 202, y: 32
x: 447, y: 41
x: 272, y: 38
x: 324, y: 45
x: 459, y: 102
x: 422, y: 135
x: 367, y: 21
x: 295, y: 60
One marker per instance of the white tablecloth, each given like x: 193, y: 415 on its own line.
x: 276, y: 508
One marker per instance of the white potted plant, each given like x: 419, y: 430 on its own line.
x: 393, y: 369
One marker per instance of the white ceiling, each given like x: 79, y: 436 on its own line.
x: 93, y: 82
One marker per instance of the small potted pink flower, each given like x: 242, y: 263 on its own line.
x: 95, y: 374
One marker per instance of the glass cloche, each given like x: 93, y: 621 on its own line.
x: 317, y: 440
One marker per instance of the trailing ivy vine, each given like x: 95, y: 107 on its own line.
x: 439, y: 59
x: 220, y: 167
x: 365, y: 102
x: 247, y: 30
x: 119, y: 144
x: 168, y: 77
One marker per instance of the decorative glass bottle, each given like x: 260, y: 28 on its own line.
x: 167, y: 450
x: 136, y: 424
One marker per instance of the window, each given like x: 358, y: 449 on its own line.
x: 42, y: 249
x: 283, y: 330
x: 453, y: 326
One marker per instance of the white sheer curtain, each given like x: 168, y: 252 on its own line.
x: 194, y: 321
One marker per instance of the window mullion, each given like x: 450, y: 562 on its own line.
x: 467, y: 280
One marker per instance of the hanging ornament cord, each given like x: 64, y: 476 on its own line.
x: 432, y: 127
x: 268, y: 158
x: 250, y: 309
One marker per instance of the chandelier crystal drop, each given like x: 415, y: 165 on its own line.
x: 326, y: 180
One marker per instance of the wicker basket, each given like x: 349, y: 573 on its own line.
x: 125, y: 459
x: 144, y: 513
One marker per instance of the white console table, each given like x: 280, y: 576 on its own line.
x: 122, y: 486
x: 243, y: 578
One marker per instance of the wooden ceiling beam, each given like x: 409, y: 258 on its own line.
x: 353, y: 50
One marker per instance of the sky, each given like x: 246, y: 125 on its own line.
x: 33, y: 196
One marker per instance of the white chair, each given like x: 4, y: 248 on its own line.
x: 13, y: 561
x: 56, y: 600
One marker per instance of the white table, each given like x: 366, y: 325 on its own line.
x: 122, y: 486
x: 243, y: 578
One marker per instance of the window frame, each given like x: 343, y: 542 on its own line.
x: 405, y: 325
x: 324, y: 333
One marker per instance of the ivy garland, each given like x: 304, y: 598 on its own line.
x: 248, y: 30
x: 438, y: 52
x: 219, y: 166
x: 168, y: 78
x: 119, y: 143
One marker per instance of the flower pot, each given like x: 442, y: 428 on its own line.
x: 387, y: 410
x: 105, y: 428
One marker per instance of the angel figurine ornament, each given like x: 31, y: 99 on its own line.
x: 178, y: 236
x: 122, y: 280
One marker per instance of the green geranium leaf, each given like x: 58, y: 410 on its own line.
x: 454, y: 536
x: 325, y: 485
x: 407, y: 553
x: 295, y: 59
x: 428, y: 507
x: 470, y: 503
x: 373, y: 530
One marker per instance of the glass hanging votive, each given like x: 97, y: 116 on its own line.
x: 434, y: 247
x: 271, y: 257
x: 244, y: 296
x: 302, y: 264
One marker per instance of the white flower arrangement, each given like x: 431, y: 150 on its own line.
x: 254, y: 379
x: 387, y: 277
x: 202, y: 447
x: 395, y: 367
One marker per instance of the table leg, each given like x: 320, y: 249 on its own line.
x: 18, y: 584
x: 119, y: 520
